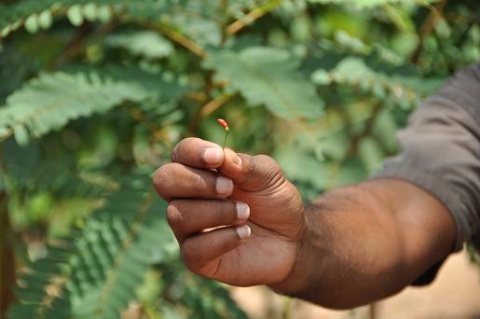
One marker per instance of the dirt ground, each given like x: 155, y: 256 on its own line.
x: 454, y: 295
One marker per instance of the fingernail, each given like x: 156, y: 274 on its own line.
x: 243, y: 232
x: 213, y: 156
x: 223, y: 185
x: 243, y: 211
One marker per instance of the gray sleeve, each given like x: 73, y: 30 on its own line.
x: 440, y: 151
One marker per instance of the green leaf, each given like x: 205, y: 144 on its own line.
x: 90, y: 11
x: 43, y: 292
x: 53, y: 99
x: 268, y: 76
x: 75, y: 15
x: 146, y: 43
x: 133, y: 236
x: 31, y: 24
x: 45, y: 19
x: 94, y: 275
x: 405, y: 90
x: 371, y: 3
x: 370, y: 154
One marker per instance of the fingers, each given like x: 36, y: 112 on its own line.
x: 198, y: 153
x: 179, y: 181
x: 190, y: 217
x: 207, y: 229
x: 191, y: 174
x: 202, y: 250
x: 252, y: 173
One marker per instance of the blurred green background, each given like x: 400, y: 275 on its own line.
x: 94, y: 95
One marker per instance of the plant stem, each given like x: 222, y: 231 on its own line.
x: 216, y: 103
x: 7, y: 258
x: 367, y: 128
x: 253, y: 15
x: 427, y: 28
x: 182, y: 40
x: 224, y: 23
x: 287, y: 308
x: 225, y: 139
x: 372, y: 311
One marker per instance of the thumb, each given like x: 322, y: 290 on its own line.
x: 275, y: 203
x: 252, y: 173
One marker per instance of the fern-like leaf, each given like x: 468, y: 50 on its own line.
x: 200, y: 297
x: 42, y: 290
x: 94, y: 274
x: 115, y: 251
x: 268, y: 76
x: 372, y: 3
x: 50, y: 101
x: 401, y: 89
x: 37, y: 15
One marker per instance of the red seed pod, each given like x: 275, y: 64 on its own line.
x: 223, y: 123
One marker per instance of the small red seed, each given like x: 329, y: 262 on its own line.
x: 223, y: 123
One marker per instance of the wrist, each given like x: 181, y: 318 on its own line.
x: 299, y: 279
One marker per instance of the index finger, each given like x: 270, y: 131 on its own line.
x: 195, y: 152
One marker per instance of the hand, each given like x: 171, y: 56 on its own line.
x: 236, y: 217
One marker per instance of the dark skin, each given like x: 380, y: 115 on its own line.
x: 238, y: 220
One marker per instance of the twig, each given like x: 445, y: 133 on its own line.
x: 182, y: 40
x: 355, y: 140
x: 427, y: 28
x: 287, y: 308
x: 74, y: 45
x: 224, y: 23
x: 216, y: 103
x: 172, y: 34
x: 253, y: 15
x: 373, y: 311
x: 140, y: 117
x: 77, y: 44
x: 7, y: 258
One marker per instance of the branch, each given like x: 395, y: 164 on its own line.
x: 367, y: 128
x: 170, y: 33
x: 250, y: 17
x: 216, y: 103
x: 182, y: 40
x: 427, y: 28
x: 7, y: 258
x: 139, y: 116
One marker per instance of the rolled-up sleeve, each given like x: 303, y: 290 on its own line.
x: 440, y: 151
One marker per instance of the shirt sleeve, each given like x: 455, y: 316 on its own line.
x: 440, y: 151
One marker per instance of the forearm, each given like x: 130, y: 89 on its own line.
x: 368, y: 241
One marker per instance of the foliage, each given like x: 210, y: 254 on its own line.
x: 95, y: 94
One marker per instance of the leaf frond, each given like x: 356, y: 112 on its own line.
x: 52, y: 100
x: 269, y: 77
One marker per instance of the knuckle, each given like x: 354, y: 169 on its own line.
x: 174, y: 156
x: 174, y: 216
x: 269, y: 162
x: 182, y: 150
x: 163, y: 180
x: 268, y: 168
x: 199, y: 183
x: 160, y: 178
x: 190, y: 255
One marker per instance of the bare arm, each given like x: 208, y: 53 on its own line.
x: 368, y: 241
x: 238, y: 220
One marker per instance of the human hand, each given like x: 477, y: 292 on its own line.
x: 236, y: 217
